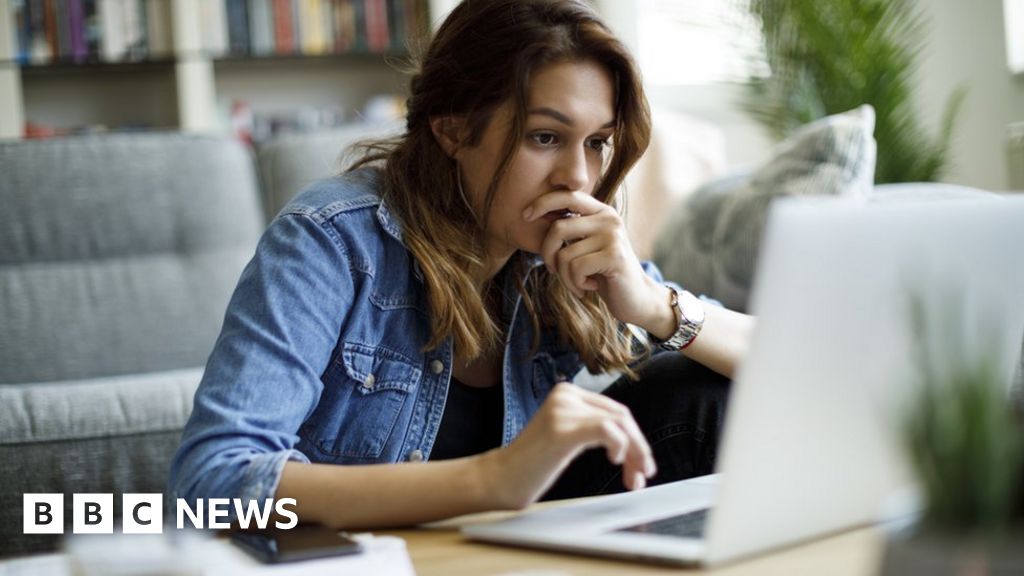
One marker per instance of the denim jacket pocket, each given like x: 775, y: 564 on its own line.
x: 364, y: 393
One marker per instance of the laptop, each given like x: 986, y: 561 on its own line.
x: 811, y: 443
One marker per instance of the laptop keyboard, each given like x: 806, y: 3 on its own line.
x: 689, y: 525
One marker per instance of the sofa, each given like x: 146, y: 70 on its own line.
x: 118, y: 254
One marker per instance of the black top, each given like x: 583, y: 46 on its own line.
x: 472, y: 423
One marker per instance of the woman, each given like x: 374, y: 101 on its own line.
x: 396, y: 351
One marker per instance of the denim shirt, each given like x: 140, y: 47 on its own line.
x: 321, y: 356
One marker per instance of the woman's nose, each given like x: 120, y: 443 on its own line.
x: 571, y: 171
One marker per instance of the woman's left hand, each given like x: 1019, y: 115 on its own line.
x: 590, y: 251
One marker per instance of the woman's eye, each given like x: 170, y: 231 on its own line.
x: 598, y: 143
x: 544, y: 138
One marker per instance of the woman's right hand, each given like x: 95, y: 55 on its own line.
x: 570, y: 421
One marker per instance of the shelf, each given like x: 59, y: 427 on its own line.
x: 86, y: 68
x: 131, y: 65
x: 105, y: 95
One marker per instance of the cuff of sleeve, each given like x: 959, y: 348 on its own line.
x: 263, y: 473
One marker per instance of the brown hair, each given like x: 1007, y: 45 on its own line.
x: 481, y: 57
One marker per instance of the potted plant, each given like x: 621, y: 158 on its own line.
x: 829, y: 57
x: 964, y: 438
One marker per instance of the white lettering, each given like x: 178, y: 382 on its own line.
x: 42, y: 514
x: 93, y: 514
x: 279, y: 506
x: 253, y: 509
x: 142, y: 513
x: 215, y: 505
x: 185, y: 510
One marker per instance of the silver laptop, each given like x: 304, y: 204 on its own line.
x: 811, y: 444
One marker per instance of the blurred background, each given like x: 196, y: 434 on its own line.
x: 259, y: 68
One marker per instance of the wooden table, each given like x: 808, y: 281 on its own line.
x: 440, y: 549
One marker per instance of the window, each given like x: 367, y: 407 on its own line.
x: 695, y: 42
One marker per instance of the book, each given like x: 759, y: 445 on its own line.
x: 310, y: 30
x: 22, y: 27
x: 261, y: 27
x: 160, y: 39
x: 62, y: 30
x: 326, y: 18
x: 284, y: 26
x: 76, y: 30
x: 91, y: 20
x: 344, y: 26
x: 134, y: 24
x: 214, y: 28
x: 359, y: 25
x: 377, y: 34
x: 39, y: 45
x: 238, y: 27
x: 113, y: 46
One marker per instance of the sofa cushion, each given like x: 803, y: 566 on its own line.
x: 711, y: 242
x: 118, y: 253
x: 105, y: 435
x: 290, y: 163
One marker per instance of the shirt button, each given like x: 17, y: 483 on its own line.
x: 437, y: 366
x: 416, y: 456
x: 369, y: 382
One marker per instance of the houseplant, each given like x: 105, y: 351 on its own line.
x: 964, y: 439
x: 829, y: 57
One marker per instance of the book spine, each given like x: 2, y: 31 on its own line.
x: 158, y: 28
x: 76, y: 30
x: 238, y: 27
x: 21, y: 24
x: 359, y: 24
x: 112, y: 46
x: 132, y: 23
x: 214, y: 27
x: 39, y: 51
x: 62, y: 23
x: 253, y: 9
x: 397, y: 25
x: 92, y: 29
x: 327, y: 24
x: 377, y: 25
x: 284, y: 41
x: 344, y: 34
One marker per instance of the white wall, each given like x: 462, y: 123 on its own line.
x: 968, y: 45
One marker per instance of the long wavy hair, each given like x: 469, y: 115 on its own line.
x: 482, y: 57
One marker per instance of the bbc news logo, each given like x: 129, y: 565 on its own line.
x: 143, y: 513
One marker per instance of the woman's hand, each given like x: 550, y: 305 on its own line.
x: 570, y: 421
x: 590, y: 251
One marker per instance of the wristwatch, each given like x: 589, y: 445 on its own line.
x: 690, y: 313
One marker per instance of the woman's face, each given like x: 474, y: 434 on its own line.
x: 570, y: 118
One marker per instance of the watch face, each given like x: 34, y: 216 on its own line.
x: 692, y: 308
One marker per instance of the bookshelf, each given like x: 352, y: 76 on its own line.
x: 190, y: 81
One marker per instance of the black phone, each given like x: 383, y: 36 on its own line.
x: 303, y: 542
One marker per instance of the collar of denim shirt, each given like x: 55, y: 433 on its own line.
x: 393, y: 227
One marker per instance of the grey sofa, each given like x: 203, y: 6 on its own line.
x: 118, y: 254
x: 291, y: 162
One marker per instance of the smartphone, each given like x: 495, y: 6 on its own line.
x: 303, y: 542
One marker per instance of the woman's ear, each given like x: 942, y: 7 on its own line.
x: 448, y: 133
